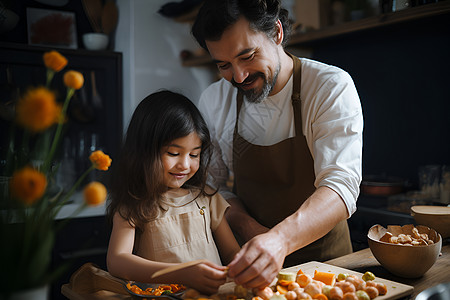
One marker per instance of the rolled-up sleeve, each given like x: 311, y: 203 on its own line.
x: 335, y: 126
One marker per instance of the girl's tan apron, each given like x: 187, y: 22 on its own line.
x: 180, y: 237
x: 274, y: 181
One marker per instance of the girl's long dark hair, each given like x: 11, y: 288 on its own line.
x: 137, y: 180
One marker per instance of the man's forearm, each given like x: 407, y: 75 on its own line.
x: 316, y: 217
x: 241, y: 223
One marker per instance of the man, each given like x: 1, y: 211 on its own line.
x: 289, y: 130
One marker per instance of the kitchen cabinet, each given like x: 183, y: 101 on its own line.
x: 94, y: 121
x: 308, y: 39
x: 95, y: 111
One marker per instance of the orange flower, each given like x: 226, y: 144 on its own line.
x: 38, y: 110
x: 73, y: 79
x: 28, y: 185
x: 54, y: 60
x: 94, y: 193
x: 100, y: 160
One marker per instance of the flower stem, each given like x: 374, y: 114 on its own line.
x: 50, y: 74
x: 70, y: 92
x: 73, y: 189
x: 63, y: 222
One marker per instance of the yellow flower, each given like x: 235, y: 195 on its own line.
x: 28, y: 185
x: 94, y: 193
x: 100, y: 160
x: 54, y: 60
x: 38, y: 110
x: 73, y: 79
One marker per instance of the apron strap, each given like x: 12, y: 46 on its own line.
x: 296, y: 98
x: 240, y: 99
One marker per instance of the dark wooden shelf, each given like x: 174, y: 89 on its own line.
x: 65, y: 51
x: 402, y: 16
x: 307, y: 38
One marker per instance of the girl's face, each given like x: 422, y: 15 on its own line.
x: 181, y: 160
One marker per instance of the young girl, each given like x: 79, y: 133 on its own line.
x: 161, y: 209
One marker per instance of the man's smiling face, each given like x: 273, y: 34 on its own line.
x: 248, y: 59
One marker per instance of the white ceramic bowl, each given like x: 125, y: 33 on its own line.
x: 95, y: 41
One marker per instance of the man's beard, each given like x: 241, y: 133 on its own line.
x: 253, y: 95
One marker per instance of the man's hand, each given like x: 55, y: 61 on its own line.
x: 259, y: 261
x: 262, y: 257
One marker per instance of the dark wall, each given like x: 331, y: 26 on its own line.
x: 402, y: 73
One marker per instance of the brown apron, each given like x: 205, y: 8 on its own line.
x: 269, y: 184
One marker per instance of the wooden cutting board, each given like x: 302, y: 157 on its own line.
x: 396, y: 290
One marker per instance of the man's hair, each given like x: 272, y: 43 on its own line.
x: 215, y: 16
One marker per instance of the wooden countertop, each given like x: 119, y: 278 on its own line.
x: 363, y: 261
x: 106, y: 286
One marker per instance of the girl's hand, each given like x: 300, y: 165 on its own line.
x: 205, y: 277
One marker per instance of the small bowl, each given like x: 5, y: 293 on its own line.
x: 404, y: 260
x: 95, y: 41
x: 437, y: 217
